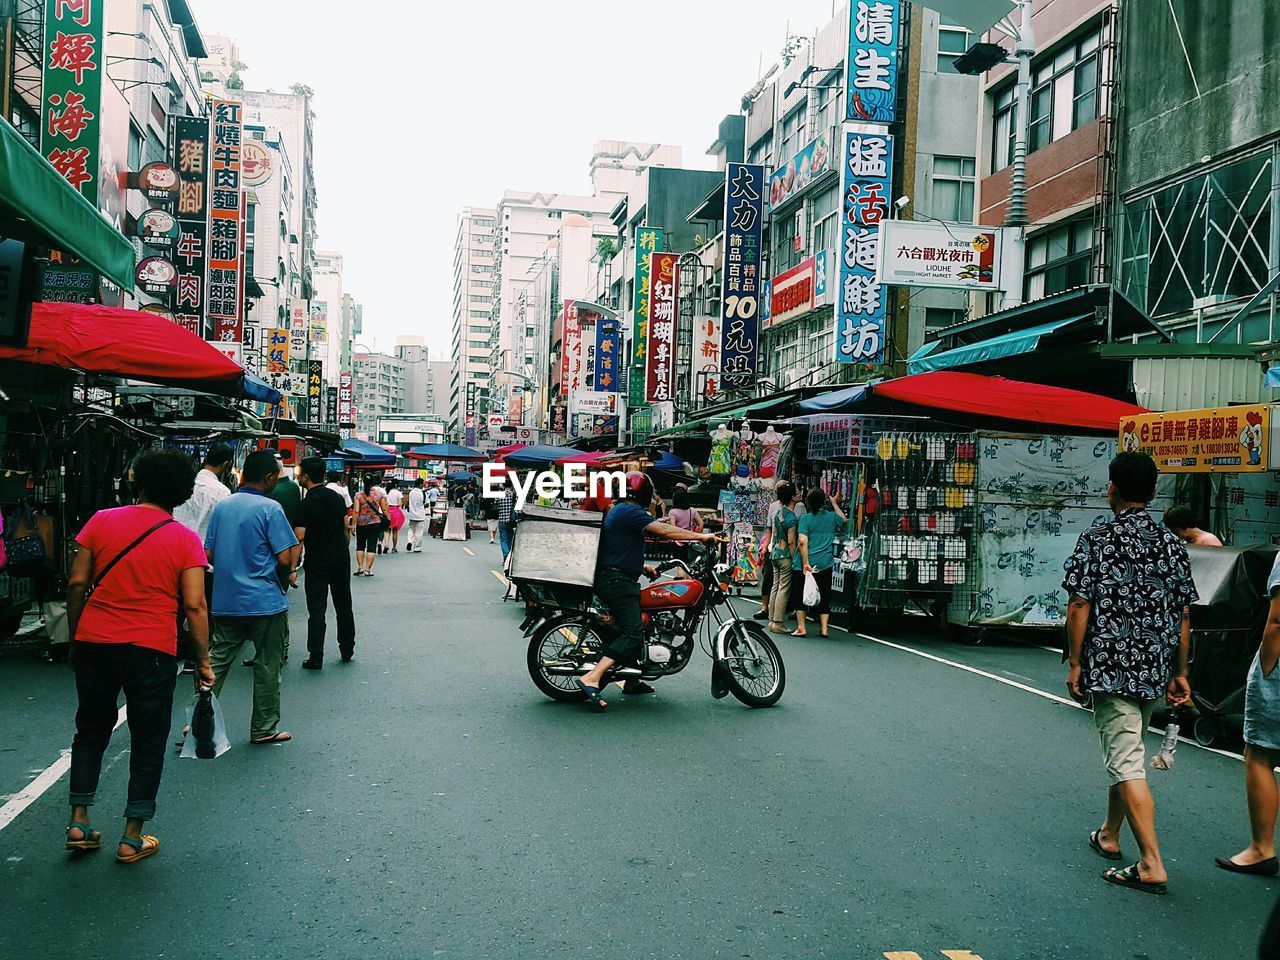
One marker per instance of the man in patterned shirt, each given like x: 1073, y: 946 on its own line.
x: 506, y: 517
x: 1130, y: 588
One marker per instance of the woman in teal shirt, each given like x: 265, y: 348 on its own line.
x: 782, y: 553
x: 818, y: 529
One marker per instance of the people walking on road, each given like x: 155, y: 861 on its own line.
x: 371, y: 520
x: 621, y: 561
x: 416, y: 515
x: 254, y: 553
x: 1182, y: 522
x: 796, y: 506
x: 816, y: 532
x: 1262, y: 747
x: 433, y: 497
x: 210, y: 490
x: 338, y: 484
x: 506, y: 518
x: 782, y: 549
x: 286, y: 493
x: 1128, y: 631
x: 321, y: 529
x: 395, y: 517
x: 681, y: 513
x: 134, y: 569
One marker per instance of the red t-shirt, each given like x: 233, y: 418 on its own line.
x: 137, y: 602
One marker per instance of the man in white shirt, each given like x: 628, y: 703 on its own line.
x: 209, y: 490
x: 433, y: 496
x: 337, y: 485
x: 416, y: 514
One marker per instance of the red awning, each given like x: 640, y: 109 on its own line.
x: 1007, y: 400
x: 585, y: 456
x: 501, y: 452
x: 121, y: 343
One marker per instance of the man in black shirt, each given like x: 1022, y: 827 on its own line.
x: 321, y: 527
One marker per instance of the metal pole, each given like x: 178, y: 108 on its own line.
x: 1014, y: 263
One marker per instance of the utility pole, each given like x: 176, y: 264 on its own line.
x: 1014, y: 257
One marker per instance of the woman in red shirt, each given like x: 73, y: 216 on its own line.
x: 135, y: 566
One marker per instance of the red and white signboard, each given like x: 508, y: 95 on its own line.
x: 346, y: 401
x: 660, y: 357
x: 570, y: 345
x: 706, y: 356
x: 526, y: 435
x: 792, y: 292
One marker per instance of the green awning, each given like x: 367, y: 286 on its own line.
x: 39, y: 206
x: 926, y: 360
x: 706, y: 424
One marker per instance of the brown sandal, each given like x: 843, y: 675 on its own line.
x: 90, y: 839
x: 143, y: 847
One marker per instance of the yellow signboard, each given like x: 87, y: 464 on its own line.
x: 1223, y: 440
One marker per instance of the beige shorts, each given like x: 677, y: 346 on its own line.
x: 1122, y: 724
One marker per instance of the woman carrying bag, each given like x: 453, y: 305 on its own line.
x: 371, y: 521
x: 136, y: 570
x: 816, y: 557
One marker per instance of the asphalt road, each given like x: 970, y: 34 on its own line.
x: 434, y: 803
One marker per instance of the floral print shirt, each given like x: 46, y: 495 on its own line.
x: 1137, y: 578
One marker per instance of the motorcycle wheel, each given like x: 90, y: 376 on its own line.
x: 757, y: 681
x: 563, y: 640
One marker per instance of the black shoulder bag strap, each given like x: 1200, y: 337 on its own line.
x: 121, y: 555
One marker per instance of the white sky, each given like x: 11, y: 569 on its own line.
x: 473, y: 97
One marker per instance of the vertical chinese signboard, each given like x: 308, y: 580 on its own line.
x: 331, y: 408
x: 346, y: 404
x: 660, y: 359
x: 469, y: 414
x: 72, y: 91
x: 298, y: 311
x: 225, y: 294
x: 740, y: 281
x: 571, y: 365
x: 648, y: 240
x: 706, y: 356
x: 872, y: 66
x: 277, y: 350
x: 190, y: 256
x: 315, y: 391
x: 865, y: 192
x: 608, y: 346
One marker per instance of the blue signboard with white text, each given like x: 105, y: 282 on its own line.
x: 608, y: 354
x: 871, y: 71
x: 866, y: 188
x: 741, y: 278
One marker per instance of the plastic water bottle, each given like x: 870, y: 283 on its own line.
x: 1163, y: 760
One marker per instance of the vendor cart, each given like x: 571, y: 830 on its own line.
x: 1226, y: 628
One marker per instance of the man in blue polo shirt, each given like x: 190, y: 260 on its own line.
x: 254, y: 552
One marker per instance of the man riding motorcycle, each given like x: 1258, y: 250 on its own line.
x: 621, y: 561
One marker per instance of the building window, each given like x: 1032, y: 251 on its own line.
x: 830, y: 103
x: 1004, y: 114
x: 953, y: 188
x: 1059, y: 258
x: 953, y: 40
x: 135, y: 148
x: 762, y: 151
x: 935, y: 318
x: 793, y: 132
x: 784, y: 229
x: 1064, y: 92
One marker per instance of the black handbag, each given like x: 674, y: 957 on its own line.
x: 25, y: 556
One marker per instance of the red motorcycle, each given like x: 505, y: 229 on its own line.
x: 565, y: 644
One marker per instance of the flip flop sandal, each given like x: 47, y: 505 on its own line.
x: 141, y: 847
x: 90, y: 839
x: 1097, y: 848
x: 592, y: 695
x: 1128, y: 877
x: 282, y: 736
x: 1263, y: 868
x: 796, y: 633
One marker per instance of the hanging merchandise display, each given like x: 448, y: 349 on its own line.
x: 718, y: 463
x: 744, y: 465
x: 770, y: 451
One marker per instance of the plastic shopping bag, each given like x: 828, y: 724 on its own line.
x: 207, y: 735
x: 812, y: 595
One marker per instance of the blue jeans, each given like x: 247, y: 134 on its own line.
x: 506, y: 529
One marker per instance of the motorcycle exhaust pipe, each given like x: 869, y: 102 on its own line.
x: 565, y: 668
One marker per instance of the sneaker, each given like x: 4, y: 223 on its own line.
x: 760, y: 615
x: 395, y: 549
x: 346, y: 657
x: 312, y: 665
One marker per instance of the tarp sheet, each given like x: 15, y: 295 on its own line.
x: 1006, y: 345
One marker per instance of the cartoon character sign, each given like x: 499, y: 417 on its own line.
x: 1251, y: 437
x: 158, y: 183
x: 1129, y: 442
x: 156, y: 276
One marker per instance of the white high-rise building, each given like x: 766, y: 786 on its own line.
x: 271, y: 255
x: 473, y: 291
x: 328, y: 330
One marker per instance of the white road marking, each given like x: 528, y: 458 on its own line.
x: 467, y: 551
x: 1019, y: 686
x: 41, y: 784
x: 501, y: 579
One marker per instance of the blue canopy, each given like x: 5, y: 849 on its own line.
x: 928, y: 358
x: 669, y: 461
x: 537, y: 454
x: 461, y: 475
x: 445, y: 451
x: 366, y: 453
x: 836, y: 400
x: 255, y: 388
